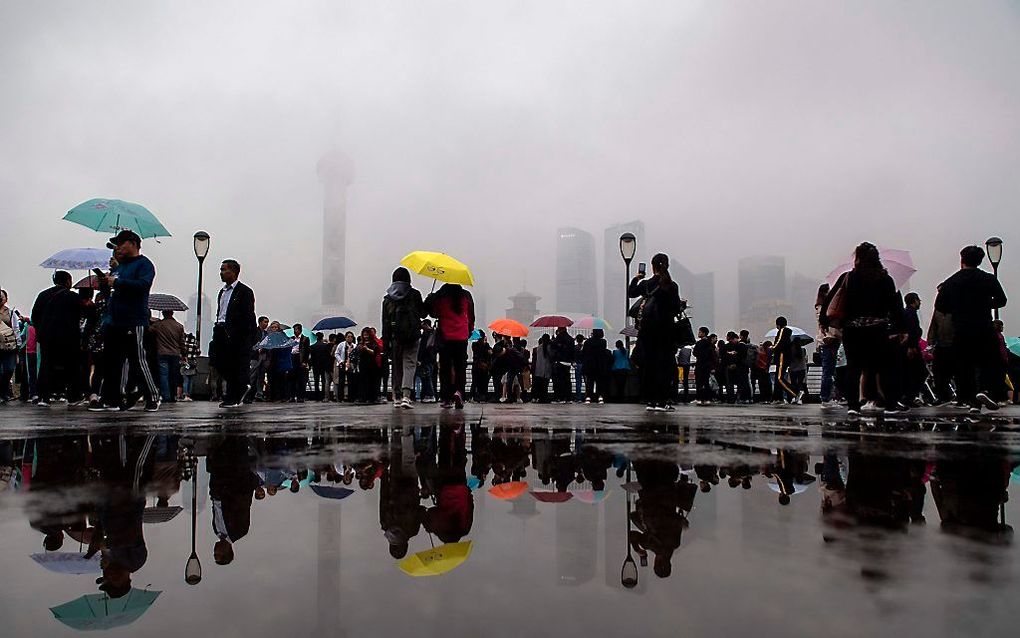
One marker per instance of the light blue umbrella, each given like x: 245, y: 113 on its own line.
x: 275, y: 341
x: 114, y: 215
x: 335, y: 493
x: 476, y: 335
x: 68, y: 562
x: 99, y: 611
x: 1013, y: 345
x: 79, y: 259
x: 311, y: 336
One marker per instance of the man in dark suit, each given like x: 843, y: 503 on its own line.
x: 234, y: 333
x: 300, y: 356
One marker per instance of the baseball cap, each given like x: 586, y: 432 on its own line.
x: 123, y: 236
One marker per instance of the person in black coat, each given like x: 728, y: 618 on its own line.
x: 232, y: 483
x: 234, y: 333
x: 594, y: 362
x: 657, y: 340
x: 57, y: 319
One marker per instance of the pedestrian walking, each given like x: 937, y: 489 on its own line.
x: 402, y: 312
x: 258, y: 363
x: 454, y: 309
x: 169, y: 335
x: 234, y: 334
x: 968, y: 297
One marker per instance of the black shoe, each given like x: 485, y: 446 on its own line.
x: 986, y: 401
x: 130, y: 401
x: 151, y: 406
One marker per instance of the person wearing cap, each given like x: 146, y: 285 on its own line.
x: 130, y: 280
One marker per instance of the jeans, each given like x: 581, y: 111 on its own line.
x: 169, y: 367
x: 828, y: 351
x: 426, y: 387
x: 188, y: 380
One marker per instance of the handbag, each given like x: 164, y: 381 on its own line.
x: 685, y: 332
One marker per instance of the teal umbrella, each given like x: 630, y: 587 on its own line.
x: 311, y: 336
x: 114, y: 215
x: 1013, y: 344
x: 99, y: 611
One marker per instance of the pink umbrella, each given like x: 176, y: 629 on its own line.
x: 898, y: 262
x: 552, y: 497
x: 591, y: 323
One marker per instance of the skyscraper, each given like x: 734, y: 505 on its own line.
x: 803, y: 290
x: 336, y: 172
x: 761, y: 292
x: 614, y: 275
x: 699, y: 291
x: 576, y: 290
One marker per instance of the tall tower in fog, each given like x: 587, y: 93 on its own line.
x: 576, y: 289
x: 336, y: 172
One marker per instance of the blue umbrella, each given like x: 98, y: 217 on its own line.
x: 68, y: 562
x: 476, y: 335
x: 99, y: 611
x: 79, y: 259
x: 275, y: 341
x: 336, y: 493
x: 335, y: 323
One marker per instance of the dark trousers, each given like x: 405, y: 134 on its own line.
x: 915, y: 373
x: 479, y: 383
x: 232, y: 362
x: 738, y: 385
x: 942, y: 372
x: 594, y: 385
x: 703, y: 383
x: 561, y: 382
x: 761, y: 378
x: 58, y: 372
x: 620, y: 384
x: 298, y: 378
x: 539, y: 390
x: 169, y: 373
x: 126, y: 344
x: 975, y: 355
x: 452, y: 369
x: 659, y: 366
x: 319, y: 377
x: 279, y: 385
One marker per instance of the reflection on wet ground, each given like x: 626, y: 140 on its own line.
x: 447, y: 525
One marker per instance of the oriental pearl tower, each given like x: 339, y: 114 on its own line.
x: 336, y: 172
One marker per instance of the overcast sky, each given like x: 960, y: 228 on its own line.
x: 477, y: 128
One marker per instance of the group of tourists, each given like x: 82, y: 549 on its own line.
x: 102, y: 348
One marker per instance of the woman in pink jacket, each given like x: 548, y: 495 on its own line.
x: 454, y: 308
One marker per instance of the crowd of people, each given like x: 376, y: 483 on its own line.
x: 101, y: 347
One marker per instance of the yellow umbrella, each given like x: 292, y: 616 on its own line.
x: 438, y: 266
x: 437, y: 560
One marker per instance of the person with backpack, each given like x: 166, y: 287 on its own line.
x: 760, y: 372
x: 10, y: 344
x: 402, y: 312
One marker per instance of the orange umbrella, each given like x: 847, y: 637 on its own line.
x: 508, y: 491
x: 508, y: 327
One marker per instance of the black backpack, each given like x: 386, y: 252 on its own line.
x: 405, y: 323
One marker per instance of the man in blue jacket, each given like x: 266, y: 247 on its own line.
x: 130, y: 280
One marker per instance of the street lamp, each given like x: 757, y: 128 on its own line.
x: 628, y: 246
x: 993, y: 247
x: 201, y: 251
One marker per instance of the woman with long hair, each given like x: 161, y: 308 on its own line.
x: 454, y: 309
x: 870, y: 311
x: 657, y: 339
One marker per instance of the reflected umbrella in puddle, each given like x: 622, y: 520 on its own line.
x: 68, y: 562
x: 100, y: 611
x: 436, y: 561
x: 552, y: 497
x: 334, y: 493
x: 508, y: 491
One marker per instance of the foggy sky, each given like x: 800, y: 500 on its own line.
x: 478, y: 128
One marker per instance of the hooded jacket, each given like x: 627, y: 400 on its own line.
x: 400, y: 296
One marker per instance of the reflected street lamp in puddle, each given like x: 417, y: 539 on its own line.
x: 193, y: 570
x: 629, y: 571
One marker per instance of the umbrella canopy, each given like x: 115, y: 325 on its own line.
x: 1013, y: 345
x: 508, y: 327
x: 898, y: 262
x: 508, y: 491
x: 79, y: 259
x: 476, y: 335
x: 592, y: 497
x: 552, y: 321
x: 114, y: 215
x: 797, y: 335
x: 275, y: 341
x: 629, y: 331
x: 439, y: 266
x: 154, y: 515
x: 304, y: 333
x: 552, y: 497
x: 592, y: 323
x: 162, y: 301
x: 90, y: 282
x: 68, y: 562
x: 334, y: 493
x: 335, y: 323
x: 436, y: 561
x: 99, y: 611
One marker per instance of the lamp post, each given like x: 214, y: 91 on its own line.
x: 993, y: 248
x: 201, y: 251
x: 628, y: 246
x: 629, y: 571
x: 193, y: 568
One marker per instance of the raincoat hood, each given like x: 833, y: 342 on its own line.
x: 398, y: 290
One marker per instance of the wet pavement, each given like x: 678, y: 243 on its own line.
x: 310, y: 519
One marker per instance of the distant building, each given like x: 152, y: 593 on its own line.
x: 699, y: 291
x: 760, y: 279
x: 803, y: 290
x: 614, y: 275
x: 336, y: 172
x: 576, y: 289
x: 761, y: 317
x: 523, y: 307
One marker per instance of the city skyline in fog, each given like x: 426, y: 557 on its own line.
x: 479, y: 130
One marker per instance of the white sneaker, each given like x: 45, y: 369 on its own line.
x: 397, y: 403
x: 601, y: 400
x: 870, y: 406
x: 587, y: 400
x: 406, y: 404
